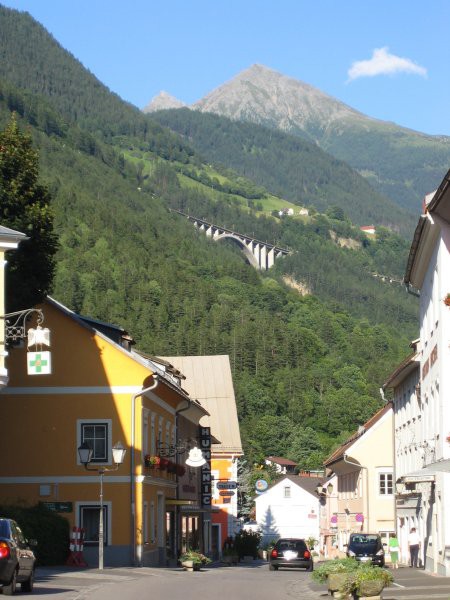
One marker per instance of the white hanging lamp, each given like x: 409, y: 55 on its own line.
x: 195, y: 458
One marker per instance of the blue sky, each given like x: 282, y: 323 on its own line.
x: 386, y: 58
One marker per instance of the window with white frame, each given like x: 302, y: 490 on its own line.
x: 385, y: 484
x: 89, y: 521
x: 97, y: 435
x: 287, y: 491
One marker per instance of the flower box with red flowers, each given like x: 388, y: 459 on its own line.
x: 152, y: 461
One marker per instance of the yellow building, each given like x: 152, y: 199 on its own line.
x: 99, y: 392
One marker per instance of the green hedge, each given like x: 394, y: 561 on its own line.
x: 49, y: 529
x: 246, y: 543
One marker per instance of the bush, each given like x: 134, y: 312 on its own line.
x: 337, y: 565
x: 246, y: 543
x: 49, y: 529
x: 197, y: 557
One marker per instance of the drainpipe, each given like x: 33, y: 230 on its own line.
x: 349, y: 462
x: 137, y: 554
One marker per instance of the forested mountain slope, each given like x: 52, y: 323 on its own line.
x: 401, y: 164
x: 286, y: 165
x: 305, y: 368
x: 31, y: 59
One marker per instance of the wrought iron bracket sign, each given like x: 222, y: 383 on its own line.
x: 16, y: 322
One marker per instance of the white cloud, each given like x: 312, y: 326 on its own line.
x: 384, y: 63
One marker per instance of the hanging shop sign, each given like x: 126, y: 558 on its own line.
x: 205, y: 447
x: 261, y: 485
x: 39, y: 363
x: 226, y: 493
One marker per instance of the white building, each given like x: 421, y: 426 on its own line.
x: 411, y: 449
x: 289, y: 508
x: 428, y: 272
x: 9, y: 240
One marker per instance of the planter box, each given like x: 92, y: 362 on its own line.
x: 336, y: 581
x: 371, y: 589
x: 190, y: 565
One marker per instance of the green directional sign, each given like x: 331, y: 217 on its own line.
x: 59, y: 506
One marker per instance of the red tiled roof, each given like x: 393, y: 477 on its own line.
x: 282, y: 461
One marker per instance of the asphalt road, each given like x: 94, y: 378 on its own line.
x: 243, y: 582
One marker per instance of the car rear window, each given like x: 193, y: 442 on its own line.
x: 297, y: 545
x: 364, y: 539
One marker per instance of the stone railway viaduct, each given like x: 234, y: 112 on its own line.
x: 260, y: 255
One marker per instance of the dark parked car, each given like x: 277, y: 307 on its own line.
x: 292, y: 553
x: 366, y: 547
x: 17, y: 560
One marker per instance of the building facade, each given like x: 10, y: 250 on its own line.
x: 427, y: 477
x: 289, y: 508
x: 209, y: 381
x: 98, y: 392
x: 364, y: 473
x: 9, y: 240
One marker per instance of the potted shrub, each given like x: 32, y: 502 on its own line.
x: 311, y: 542
x: 366, y: 581
x: 447, y: 300
x: 334, y: 572
x: 193, y: 560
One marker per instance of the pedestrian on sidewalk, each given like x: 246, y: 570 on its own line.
x: 394, y: 550
x: 414, y: 547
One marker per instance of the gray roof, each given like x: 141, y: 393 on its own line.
x: 309, y: 484
x: 209, y: 380
x: 10, y: 235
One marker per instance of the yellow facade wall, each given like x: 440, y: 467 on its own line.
x: 91, y: 379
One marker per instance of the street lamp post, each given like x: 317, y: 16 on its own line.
x: 85, y: 453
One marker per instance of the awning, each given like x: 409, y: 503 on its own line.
x: 426, y: 474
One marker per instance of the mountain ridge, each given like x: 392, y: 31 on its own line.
x: 401, y: 163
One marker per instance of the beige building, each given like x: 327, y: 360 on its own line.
x: 209, y: 381
x: 364, y: 471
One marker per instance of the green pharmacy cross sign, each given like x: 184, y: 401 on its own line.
x: 39, y: 363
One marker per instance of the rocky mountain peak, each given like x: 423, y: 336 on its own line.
x: 162, y: 101
x: 263, y: 95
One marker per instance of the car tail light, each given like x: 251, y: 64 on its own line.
x: 307, y: 554
x: 274, y: 553
x: 5, y: 552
